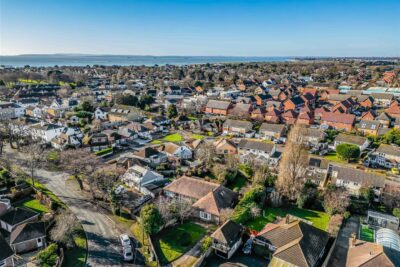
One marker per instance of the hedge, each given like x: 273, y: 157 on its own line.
x: 104, y: 151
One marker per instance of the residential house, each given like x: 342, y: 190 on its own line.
x: 270, y: 131
x: 353, y: 180
x: 292, y: 242
x: 28, y: 236
x: 313, y: 137
x: 294, y: 103
x: 258, y: 152
x: 10, y: 110
x: 6, y: 254
x: 338, y: 121
x: 382, y: 99
x: 397, y: 123
x: 365, y: 101
x: 238, y: 128
x: 305, y: 118
x: 384, y: 119
x: 387, y: 156
x: 241, y: 110
x: 123, y: 113
x: 14, y: 217
x: 218, y: 107
x: 176, y: 151
x: 209, y: 199
x: 97, y: 142
x: 227, y: 239
x: 101, y: 113
x: 138, y: 176
x: 362, y: 253
x: 224, y: 146
x: 273, y: 116
x: 361, y: 142
x: 394, y: 110
x: 46, y: 131
x: 289, y: 116
x: 368, y: 127
x: 368, y: 115
x: 258, y: 114
x: 317, y: 170
x: 261, y: 99
x: 150, y: 155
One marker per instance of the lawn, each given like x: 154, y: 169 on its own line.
x: 34, y: 205
x: 173, y: 242
x: 52, y: 155
x: 319, y: 219
x: 367, y: 234
x: 46, y: 191
x: 76, y: 257
x: 331, y: 156
x: 197, y: 136
x: 239, y: 182
x: 176, y: 137
x: 156, y: 142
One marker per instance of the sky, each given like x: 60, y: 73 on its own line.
x: 201, y: 28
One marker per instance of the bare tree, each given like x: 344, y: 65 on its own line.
x: 206, y: 153
x: 34, y: 157
x: 65, y: 228
x: 293, y: 164
x: 336, y: 200
x: 182, y: 208
x: 79, y: 163
x: 165, y: 206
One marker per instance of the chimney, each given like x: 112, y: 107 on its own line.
x: 287, y: 219
x: 353, y: 240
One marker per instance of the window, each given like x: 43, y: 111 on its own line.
x: 205, y: 215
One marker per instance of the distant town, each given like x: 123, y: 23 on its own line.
x: 292, y: 163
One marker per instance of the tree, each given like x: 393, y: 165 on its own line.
x: 172, y: 112
x: 263, y: 176
x: 396, y: 212
x: 79, y: 163
x: 392, y: 137
x: 206, y: 153
x: 65, y: 228
x: 292, y: 167
x: 87, y: 106
x: 150, y: 219
x: 336, y: 200
x: 34, y: 157
x: 307, y: 195
x: 334, y: 224
x: 206, y: 243
x: 348, y: 151
x: 129, y: 100
x: 182, y: 208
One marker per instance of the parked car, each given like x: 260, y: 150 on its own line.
x: 125, y: 240
x: 127, y: 253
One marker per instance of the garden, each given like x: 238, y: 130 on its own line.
x: 367, y: 233
x: 173, y: 242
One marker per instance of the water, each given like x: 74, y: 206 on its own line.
x: 109, y: 60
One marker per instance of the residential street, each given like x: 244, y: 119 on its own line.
x: 102, y: 233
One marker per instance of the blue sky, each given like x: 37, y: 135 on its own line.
x: 209, y: 28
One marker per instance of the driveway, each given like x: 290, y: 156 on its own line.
x: 102, y: 233
x: 339, y: 254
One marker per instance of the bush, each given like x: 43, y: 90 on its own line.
x: 48, y: 256
x: 151, y: 219
x: 246, y: 169
x: 251, y: 199
x: 396, y: 212
x: 348, y: 151
x: 206, y: 243
x: 104, y: 151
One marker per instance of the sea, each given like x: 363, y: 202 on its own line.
x: 121, y: 60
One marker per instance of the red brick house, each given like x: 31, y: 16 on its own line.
x: 368, y: 116
x: 273, y: 116
x: 365, y: 101
x: 294, y: 103
x: 394, y: 110
x: 306, y: 118
x: 289, y: 117
x: 339, y: 121
x: 258, y: 114
x: 326, y: 93
x: 218, y: 107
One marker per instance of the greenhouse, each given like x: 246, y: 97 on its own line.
x: 388, y: 238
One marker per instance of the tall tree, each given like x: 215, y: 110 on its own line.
x: 293, y: 164
x: 65, y: 228
x: 150, y: 219
x: 34, y: 157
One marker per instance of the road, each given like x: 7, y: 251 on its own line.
x: 102, y: 233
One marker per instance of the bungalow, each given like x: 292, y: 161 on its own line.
x: 292, y: 242
x: 259, y: 152
x: 227, y: 239
x: 353, y: 180
x: 14, y: 217
x: 238, y: 128
x: 270, y: 131
x: 224, y: 146
x: 361, y: 142
x: 28, y: 236
x: 338, y: 121
x: 6, y: 254
x: 209, y: 199
x: 138, y: 176
x: 218, y: 107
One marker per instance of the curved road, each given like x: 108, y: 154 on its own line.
x: 102, y: 233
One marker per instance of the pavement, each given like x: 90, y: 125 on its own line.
x: 102, y: 233
x: 339, y: 255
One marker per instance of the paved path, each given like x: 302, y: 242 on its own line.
x: 339, y: 255
x: 102, y: 233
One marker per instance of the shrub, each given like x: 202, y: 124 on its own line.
x: 396, y: 212
x: 104, y: 151
x: 348, y: 151
x: 151, y: 219
x: 48, y: 256
x: 206, y: 243
x: 250, y: 201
